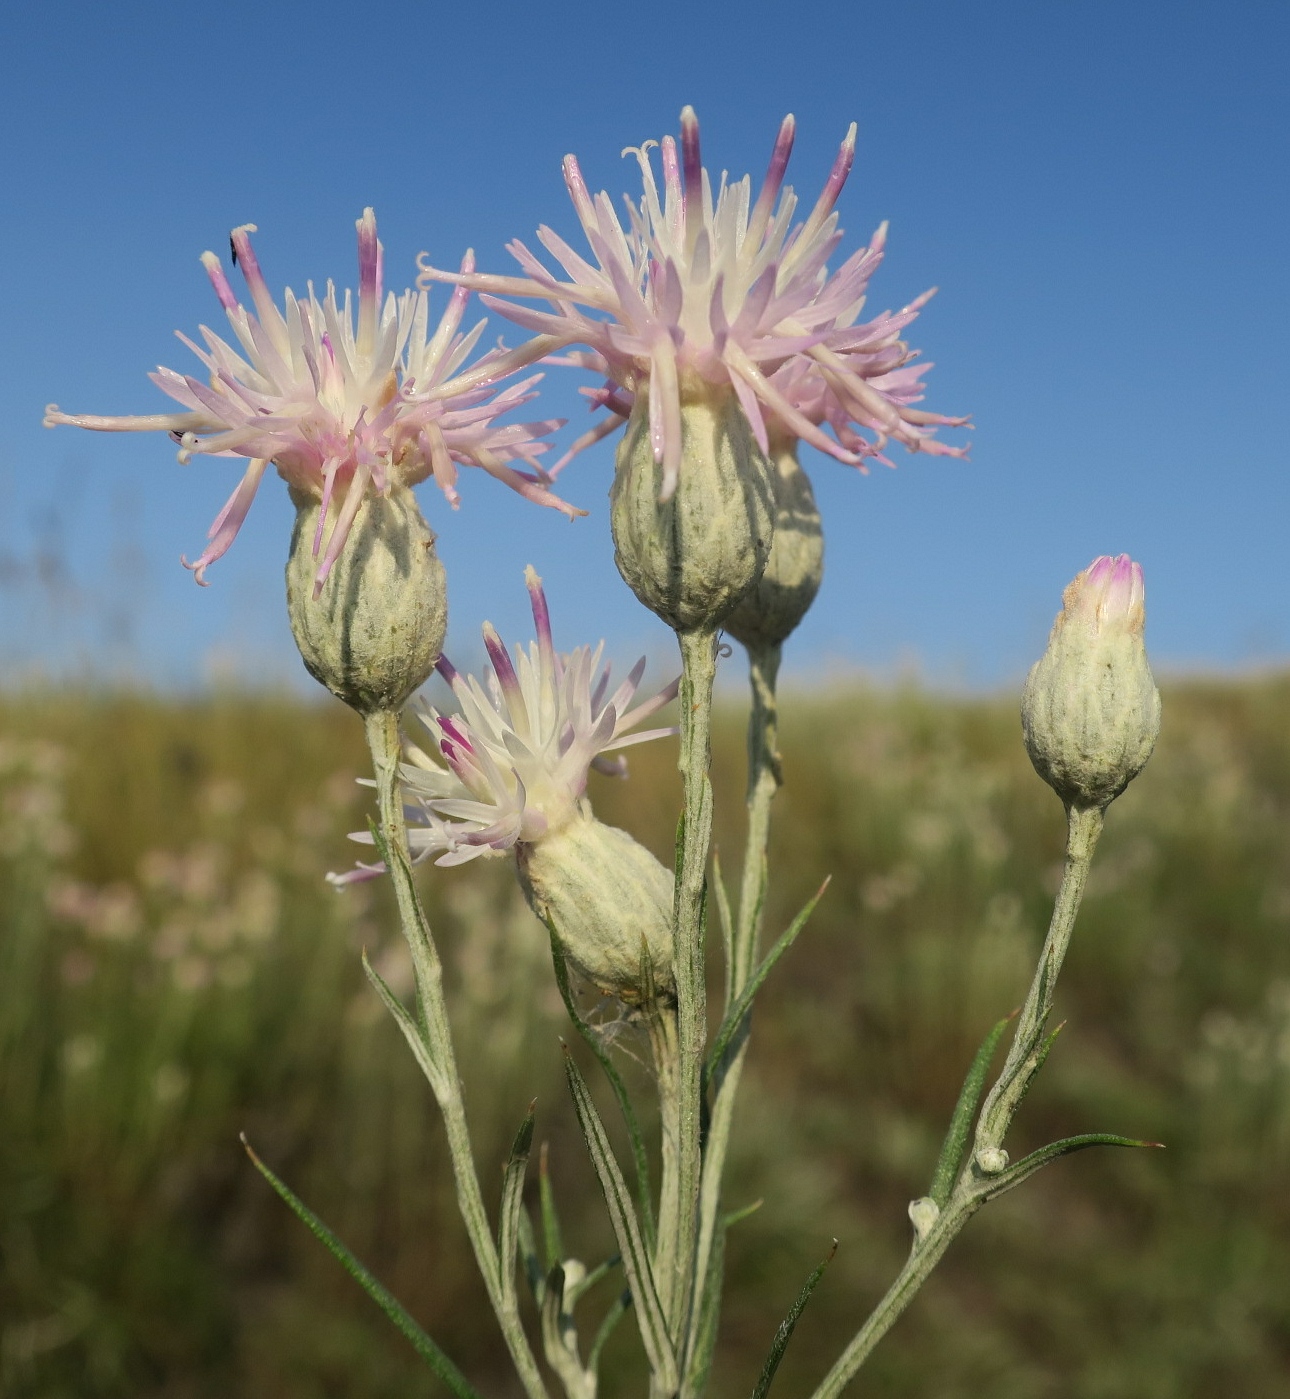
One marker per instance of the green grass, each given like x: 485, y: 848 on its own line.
x: 174, y: 971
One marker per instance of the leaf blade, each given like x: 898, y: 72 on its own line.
x: 955, y: 1147
x: 508, y: 1219
x: 736, y: 1015
x: 425, y: 1347
x: 636, y: 1264
x: 640, y: 1161
x: 1037, y: 1160
x: 789, y: 1324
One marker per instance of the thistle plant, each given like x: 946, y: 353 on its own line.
x: 724, y: 341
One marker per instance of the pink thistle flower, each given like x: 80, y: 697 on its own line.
x: 511, y: 766
x: 727, y: 292
x: 340, y: 409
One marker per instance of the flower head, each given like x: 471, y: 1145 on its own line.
x: 1090, y: 712
x: 725, y: 291
x: 510, y: 767
x: 339, y: 408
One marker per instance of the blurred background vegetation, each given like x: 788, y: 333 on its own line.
x: 174, y: 971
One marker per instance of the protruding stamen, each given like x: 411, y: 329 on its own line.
x: 219, y: 281
x: 541, y: 613
x: 760, y: 216
x: 692, y: 173
x: 369, y: 280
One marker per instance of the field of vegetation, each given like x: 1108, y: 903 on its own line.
x: 174, y: 971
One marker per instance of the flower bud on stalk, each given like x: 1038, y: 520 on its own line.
x: 375, y: 629
x: 1091, y: 711
x: 609, y: 901
x: 773, y: 607
x: 691, y: 556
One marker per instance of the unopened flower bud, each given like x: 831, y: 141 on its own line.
x: 1091, y: 711
x: 376, y: 626
x: 991, y: 1160
x: 692, y: 556
x: 771, y: 609
x: 609, y: 901
x: 923, y: 1214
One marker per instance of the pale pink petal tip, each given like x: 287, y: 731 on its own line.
x: 344, y: 404
x: 537, y: 599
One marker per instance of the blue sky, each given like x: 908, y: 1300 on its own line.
x: 1099, y: 190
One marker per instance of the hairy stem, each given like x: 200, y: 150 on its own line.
x: 1026, y: 1052
x: 976, y: 1184
x: 662, y: 1030
x: 382, y: 730
x: 763, y: 782
x: 699, y: 665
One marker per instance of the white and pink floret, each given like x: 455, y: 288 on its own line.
x: 511, y: 766
x: 341, y: 409
x: 724, y: 291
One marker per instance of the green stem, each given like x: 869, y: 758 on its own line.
x: 1083, y: 827
x: 1029, y: 1045
x: 764, y: 778
x: 382, y: 730
x: 699, y: 666
x: 662, y: 1031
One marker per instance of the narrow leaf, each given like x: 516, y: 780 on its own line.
x: 1032, y: 1072
x: 738, y: 1216
x: 601, y: 1270
x: 955, y: 1147
x: 411, y: 1030
x: 606, y: 1329
x: 737, y: 1013
x: 1037, y: 1160
x: 422, y: 1344
x: 704, y: 1341
x: 552, y: 1241
x: 508, y: 1221
x: 636, y: 1264
x: 727, y: 925
x: 528, y: 1252
x: 787, y: 1326
x: 640, y: 1161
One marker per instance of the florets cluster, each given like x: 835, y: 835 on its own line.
x: 716, y: 289
x: 510, y: 766
x: 339, y: 407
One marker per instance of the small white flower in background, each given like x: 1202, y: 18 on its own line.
x: 511, y: 766
x: 728, y: 293
x: 341, y: 409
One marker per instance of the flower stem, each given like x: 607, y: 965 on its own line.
x: 764, y: 778
x: 382, y: 730
x: 974, y: 1185
x: 699, y: 665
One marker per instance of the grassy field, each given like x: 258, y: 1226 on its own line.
x: 174, y: 971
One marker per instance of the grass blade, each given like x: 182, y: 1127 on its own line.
x: 955, y: 1147
x: 786, y: 1327
x: 421, y: 1343
x: 636, y: 1264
